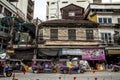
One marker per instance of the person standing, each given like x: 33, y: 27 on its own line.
x: 70, y: 65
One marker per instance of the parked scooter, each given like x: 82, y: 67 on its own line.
x: 8, y: 71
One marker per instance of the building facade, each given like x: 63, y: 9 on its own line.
x: 17, y: 37
x: 54, y: 6
x: 70, y: 37
x: 8, y: 9
x: 108, y: 16
x: 26, y: 6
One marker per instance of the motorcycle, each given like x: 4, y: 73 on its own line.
x: 8, y: 71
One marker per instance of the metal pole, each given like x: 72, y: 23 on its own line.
x: 36, y: 40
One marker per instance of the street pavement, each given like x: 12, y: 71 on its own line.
x: 104, y: 75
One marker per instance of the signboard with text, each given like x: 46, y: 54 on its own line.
x: 93, y: 54
x: 87, y: 54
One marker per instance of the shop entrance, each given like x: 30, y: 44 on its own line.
x: 113, y: 58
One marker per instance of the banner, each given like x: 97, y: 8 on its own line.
x: 87, y: 54
x: 93, y: 54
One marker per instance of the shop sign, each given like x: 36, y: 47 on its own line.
x: 71, y: 52
x: 87, y: 54
x: 93, y: 54
x: 10, y: 51
x: 113, y: 51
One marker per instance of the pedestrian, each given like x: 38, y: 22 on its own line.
x: 70, y: 65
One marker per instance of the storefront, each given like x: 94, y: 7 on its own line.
x: 113, y: 56
x: 93, y: 56
x: 25, y: 56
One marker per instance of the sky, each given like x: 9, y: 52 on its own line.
x: 40, y: 8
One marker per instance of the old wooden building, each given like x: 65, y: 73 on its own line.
x: 71, y: 36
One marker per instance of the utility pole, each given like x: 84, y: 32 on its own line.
x: 36, y: 39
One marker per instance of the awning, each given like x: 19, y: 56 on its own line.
x: 23, y: 55
x: 115, y: 51
x: 14, y: 60
x: 48, y: 52
x: 41, y: 60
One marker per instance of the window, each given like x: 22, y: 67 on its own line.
x: 54, y: 34
x: 71, y: 14
x: 106, y: 37
x: 89, y: 34
x: 81, y: 1
x: 1, y: 29
x: 41, y: 34
x: 105, y: 20
x: 118, y: 20
x: 72, y: 34
x: 100, y: 20
x: 97, y: 1
x: 64, y: 2
x: 52, y: 3
x: 109, y: 20
x: 52, y: 17
x: 6, y: 30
